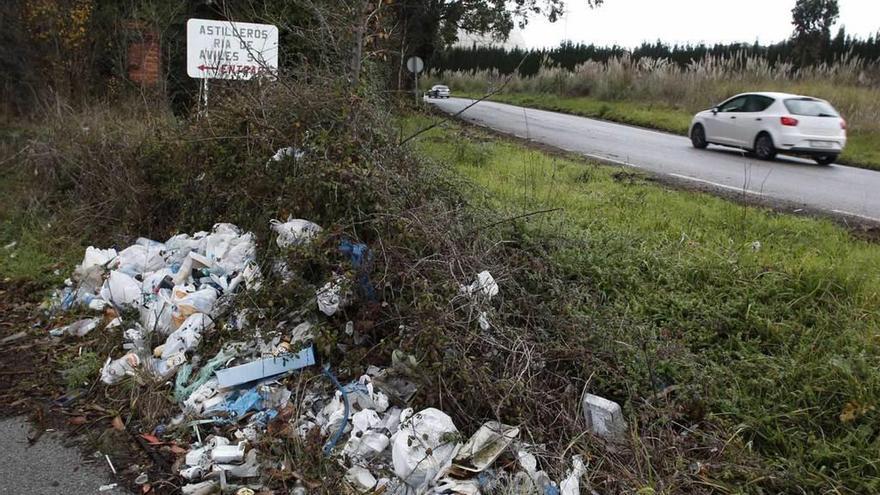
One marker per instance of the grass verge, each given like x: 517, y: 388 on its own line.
x: 862, y: 150
x: 760, y: 324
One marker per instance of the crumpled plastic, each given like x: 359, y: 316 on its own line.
x: 330, y: 296
x: 188, y: 336
x: 78, y: 328
x: 294, y: 232
x: 121, y: 289
x: 484, y: 286
x: 115, y: 370
x: 423, y: 446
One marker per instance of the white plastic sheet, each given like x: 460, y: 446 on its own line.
x: 423, y: 447
x: 294, y: 231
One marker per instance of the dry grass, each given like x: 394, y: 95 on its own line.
x: 852, y: 85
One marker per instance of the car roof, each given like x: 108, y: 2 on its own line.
x: 776, y: 95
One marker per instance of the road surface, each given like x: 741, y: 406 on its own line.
x: 47, y: 467
x: 835, y: 189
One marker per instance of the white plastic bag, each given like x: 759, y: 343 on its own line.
x: 188, y: 303
x: 330, y: 296
x: 571, y: 484
x: 188, y: 336
x: 96, y: 257
x: 423, y: 447
x: 137, y: 258
x: 484, y: 286
x: 294, y: 231
x: 115, y: 370
x: 121, y: 289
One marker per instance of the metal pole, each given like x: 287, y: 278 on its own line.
x: 417, y: 89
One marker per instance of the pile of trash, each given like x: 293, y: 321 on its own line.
x: 179, y: 292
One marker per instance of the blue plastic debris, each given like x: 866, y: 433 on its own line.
x: 241, y: 402
x: 331, y: 443
x: 265, y: 368
x: 361, y: 257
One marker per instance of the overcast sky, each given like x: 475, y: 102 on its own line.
x: 629, y: 22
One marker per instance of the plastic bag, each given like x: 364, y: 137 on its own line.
x: 121, y: 289
x: 96, y: 257
x: 294, y: 232
x: 423, y: 447
x: 115, y: 370
x: 188, y: 336
x: 141, y: 258
x: 484, y: 286
x: 187, y: 303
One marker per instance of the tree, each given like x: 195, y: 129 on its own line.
x: 429, y: 25
x: 812, y: 21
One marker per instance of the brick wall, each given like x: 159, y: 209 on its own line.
x: 144, y: 60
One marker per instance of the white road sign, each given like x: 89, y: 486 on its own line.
x: 230, y: 50
x: 415, y: 64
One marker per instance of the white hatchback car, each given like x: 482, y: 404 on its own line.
x: 439, y: 91
x: 768, y: 123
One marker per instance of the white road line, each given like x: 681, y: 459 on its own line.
x: 863, y: 217
x: 723, y: 186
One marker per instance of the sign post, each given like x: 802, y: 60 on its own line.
x: 230, y: 50
x: 415, y: 65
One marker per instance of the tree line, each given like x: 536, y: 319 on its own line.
x: 568, y: 55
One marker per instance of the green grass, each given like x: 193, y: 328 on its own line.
x: 32, y: 245
x: 777, y: 341
x: 862, y: 150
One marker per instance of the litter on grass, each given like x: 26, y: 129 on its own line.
x: 178, y: 292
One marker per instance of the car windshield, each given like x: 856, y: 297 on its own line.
x: 440, y: 87
x: 809, y: 107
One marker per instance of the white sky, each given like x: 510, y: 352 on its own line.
x: 629, y: 22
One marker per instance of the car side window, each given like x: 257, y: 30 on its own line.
x: 735, y: 105
x: 757, y: 103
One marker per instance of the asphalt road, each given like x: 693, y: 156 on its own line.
x: 835, y: 189
x: 47, y: 467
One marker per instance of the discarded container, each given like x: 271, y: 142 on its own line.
x: 604, y: 417
x: 423, y: 446
x: 225, y: 454
x: 294, y: 232
x: 114, y: 371
x: 360, y: 478
x: 76, y: 329
x: 265, y: 368
x: 485, y: 446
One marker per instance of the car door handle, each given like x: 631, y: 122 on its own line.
x: 759, y: 119
x: 732, y: 117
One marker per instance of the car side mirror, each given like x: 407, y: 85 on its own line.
x: 715, y: 111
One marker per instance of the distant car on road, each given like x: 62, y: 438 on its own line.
x: 770, y: 123
x: 438, y: 91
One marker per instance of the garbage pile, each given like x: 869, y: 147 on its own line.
x: 178, y: 292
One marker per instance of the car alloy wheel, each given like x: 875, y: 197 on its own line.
x: 764, y: 148
x: 698, y: 137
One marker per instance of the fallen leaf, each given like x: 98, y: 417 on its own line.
x: 146, y: 488
x: 151, y: 439
x: 177, y: 449
x: 118, y: 424
x: 77, y: 420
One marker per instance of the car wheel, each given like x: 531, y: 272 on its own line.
x: 698, y: 137
x: 825, y: 159
x: 764, y: 148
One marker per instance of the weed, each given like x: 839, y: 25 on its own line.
x: 80, y: 370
